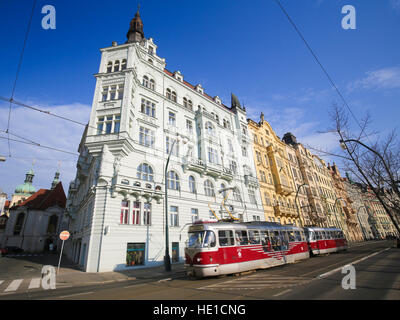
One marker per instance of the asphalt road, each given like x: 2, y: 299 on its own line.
x: 377, y: 276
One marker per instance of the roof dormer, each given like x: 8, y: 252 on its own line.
x: 199, y: 88
x: 217, y: 100
x: 178, y: 76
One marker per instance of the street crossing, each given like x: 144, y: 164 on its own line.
x: 258, y: 281
x: 18, y: 285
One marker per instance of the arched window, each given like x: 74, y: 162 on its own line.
x: 52, y: 227
x: 109, y: 67
x: 173, y: 180
x: 123, y: 64
x: 185, y: 102
x: 210, y: 128
x: 209, y: 188
x: 145, y: 82
x: 145, y: 172
x: 152, y: 84
x: 192, y: 184
x: 190, y: 104
x: 116, y: 66
x: 19, y: 223
x: 223, y: 192
x: 173, y: 96
x: 150, y: 61
x: 169, y: 94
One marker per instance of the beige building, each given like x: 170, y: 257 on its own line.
x: 350, y: 222
x: 274, y: 173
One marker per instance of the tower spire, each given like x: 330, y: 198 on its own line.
x: 135, y: 32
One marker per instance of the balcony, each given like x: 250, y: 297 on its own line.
x: 251, y: 181
x: 281, y: 210
x: 194, y: 164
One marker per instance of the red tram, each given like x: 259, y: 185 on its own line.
x: 325, y: 240
x: 216, y: 248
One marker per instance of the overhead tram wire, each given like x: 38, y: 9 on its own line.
x: 319, y: 63
x: 18, y: 70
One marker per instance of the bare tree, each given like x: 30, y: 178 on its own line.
x: 375, y: 164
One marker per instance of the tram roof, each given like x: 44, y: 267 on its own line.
x: 249, y: 224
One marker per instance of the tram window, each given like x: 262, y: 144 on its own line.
x: 225, y: 238
x: 265, y: 242
x: 276, y: 241
x: 297, y: 236
x: 241, y: 237
x: 209, y: 239
x: 307, y: 234
x: 291, y: 235
x: 323, y: 234
x: 254, y: 237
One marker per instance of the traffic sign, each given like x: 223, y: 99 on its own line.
x: 64, y: 235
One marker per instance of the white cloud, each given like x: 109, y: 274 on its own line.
x: 48, y: 131
x: 385, y: 78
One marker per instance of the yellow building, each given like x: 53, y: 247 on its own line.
x: 277, y: 186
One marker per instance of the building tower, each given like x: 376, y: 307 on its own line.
x: 135, y: 33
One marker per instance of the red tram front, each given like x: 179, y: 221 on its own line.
x: 217, y: 248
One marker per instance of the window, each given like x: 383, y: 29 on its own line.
x: 212, y: 155
x: 172, y: 118
x: 192, y: 184
x: 230, y: 146
x: 116, y: 66
x: 148, y: 108
x: 144, y: 172
x: 147, y: 214
x: 244, y: 151
x: 241, y: 237
x: 124, y: 219
x: 189, y: 126
x: 209, y: 188
x: 151, y: 50
x: 195, y: 214
x: 252, y: 197
x: 173, y: 96
x: 173, y: 213
x: 136, y: 213
x: 236, y: 195
x: 108, y: 124
x: 225, y: 238
x: 152, y: 84
x: 146, y: 137
x: 169, y: 94
x: 254, y: 237
x: 135, y: 254
x: 104, y: 94
x: 209, y: 128
x: 123, y: 65
x: 233, y: 166
x: 169, y: 142
x: 120, y: 91
x: 173, y: 180
x: 109, y: 67
x: 117, y: 121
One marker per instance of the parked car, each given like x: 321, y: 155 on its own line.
x: 3, y: 252
x: 13, y: 249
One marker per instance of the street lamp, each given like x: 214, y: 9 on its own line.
x: 295, y: 201
x: 167, y: 258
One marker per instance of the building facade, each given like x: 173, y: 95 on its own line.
x: 143, y: 119
x: 273, y: 167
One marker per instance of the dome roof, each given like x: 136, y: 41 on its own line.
x: 25, y: 188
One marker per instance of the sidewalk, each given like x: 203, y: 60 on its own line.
x: 68, y: 277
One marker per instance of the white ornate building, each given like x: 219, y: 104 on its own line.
x: 116, y: 203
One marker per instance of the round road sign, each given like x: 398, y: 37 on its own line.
x: 64, y: 235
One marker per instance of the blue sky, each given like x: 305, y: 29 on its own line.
x: 248, y: 48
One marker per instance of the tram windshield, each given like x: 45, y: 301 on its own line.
x: 201, y: 239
